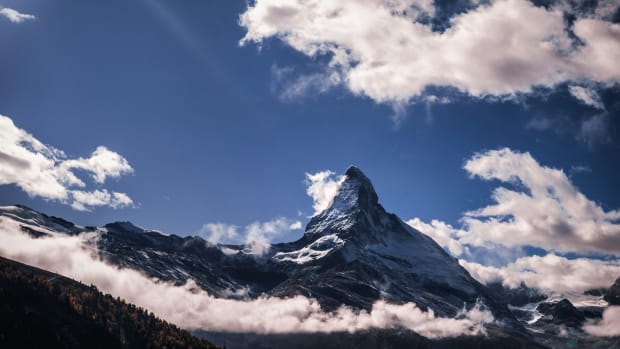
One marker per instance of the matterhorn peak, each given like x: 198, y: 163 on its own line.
x: 356, y: 189
x: 356, y: 198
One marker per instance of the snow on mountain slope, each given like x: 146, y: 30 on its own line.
x: 352, y: 253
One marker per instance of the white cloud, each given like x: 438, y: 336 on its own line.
x: 594, y: 130
x: 322, y: 188
x: 84, y: 200
x: 102, y: 163
x: 257, y: 237
x: 444, y: 234
x: 587, y: 96
x: 296, y: 225
x: 44, y: 171
x: 385, y: 52
x: 545, y: 210
x: 190, y: 307
x: 217, y: 233
x: 549, y: 272
x: 14, y: 16
x: 289, y: 86
x: 608, y: 326
x: 549, y: 211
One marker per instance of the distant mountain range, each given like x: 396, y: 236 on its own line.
x: 353, y: 253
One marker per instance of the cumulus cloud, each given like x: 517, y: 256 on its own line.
x: 256, y: 236
x: 322, y: 188
x: 44, y: 171
x: 388, y: 50
x: 550, y: 272
x: 14, y: 16
x: 608, y: 325
x: 83, y: 200
x: 541, y: 208
x: 102, y: 163
x: 548, y: 211
x: 190, y: 307
x: 544, y: 209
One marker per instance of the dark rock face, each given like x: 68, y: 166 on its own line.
x: 562, y: 312
x: 518, y: 296
x: 612, y: 296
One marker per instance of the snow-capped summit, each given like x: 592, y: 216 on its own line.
x: 358, y: 185
x: 358, y: 252
x: 355, y: 198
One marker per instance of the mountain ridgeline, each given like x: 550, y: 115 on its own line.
x: 353, y: 253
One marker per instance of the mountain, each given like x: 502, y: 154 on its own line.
x: 612, y: 295
x: 352, y: 253
x: 355, y: 253
x: 40, y: 309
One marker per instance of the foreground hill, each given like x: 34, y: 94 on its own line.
x: 40, y: 309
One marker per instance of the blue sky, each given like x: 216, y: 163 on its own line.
x: 218, y: 132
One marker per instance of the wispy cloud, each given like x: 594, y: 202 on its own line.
x: 587, y: 96
x: 322, y: 188
x: 289, y: 86
x: 257, y: 236
x: 44, y: 171
x: 190, y: 307
x: 594, y: 130
x: 15, y: 16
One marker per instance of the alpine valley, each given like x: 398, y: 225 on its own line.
x: 353, y: 254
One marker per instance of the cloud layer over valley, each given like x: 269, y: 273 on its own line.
x: 190, y: 307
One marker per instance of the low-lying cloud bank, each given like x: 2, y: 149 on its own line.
x: 43, y: 171
x: 550, y: 273
x: 190, y: 307
x: 609, y: 326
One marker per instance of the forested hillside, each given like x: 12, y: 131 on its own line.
x: 40, y: 309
